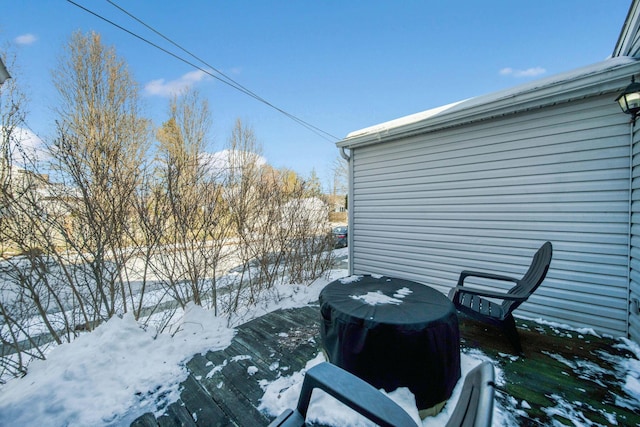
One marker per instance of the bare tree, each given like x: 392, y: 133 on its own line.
x: 339, y: 190
x: 197, y: 222
x: 12, y: 104
x: 340, y: 176
x: 115, y: 224
x: 97, y: 154
x: 30, y: 303
x: 279, y: 233
x: 314, y: 187
x: 243, y: 166
x: 148, y: 218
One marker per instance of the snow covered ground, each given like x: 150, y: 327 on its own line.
x: 116, y: 373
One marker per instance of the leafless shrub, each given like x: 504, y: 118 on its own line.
x: 281, y: 231
x: 100, y: 145
x: 197, y: 224
x: 105, y: 227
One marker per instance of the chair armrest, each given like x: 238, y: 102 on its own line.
x: 355, y: 393
x: 487, y: 293
x: 467, y: 273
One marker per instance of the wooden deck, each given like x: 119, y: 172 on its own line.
x: 562, y: 372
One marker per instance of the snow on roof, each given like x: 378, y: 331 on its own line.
x: 412, y: 118
x: 557, y: 82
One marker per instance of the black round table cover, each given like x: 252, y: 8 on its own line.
x: 392, y: 333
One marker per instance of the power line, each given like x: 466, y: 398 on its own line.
x: 229, y: 80
x: 224, y: 79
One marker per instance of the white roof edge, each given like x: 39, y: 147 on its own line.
x: 627, y: 40
x: 412, y: 118
x: 509, y: 100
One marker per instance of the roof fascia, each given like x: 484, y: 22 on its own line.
x: 629, y: 32
x: 605, y: 79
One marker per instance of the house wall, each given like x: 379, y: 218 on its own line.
x: 485, y: 196
x: 629, y: 41
x: 634, y: 265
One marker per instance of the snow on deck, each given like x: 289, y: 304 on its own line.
x: 565, y: 376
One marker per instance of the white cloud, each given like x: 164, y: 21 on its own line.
x: 26, y: 39
x: 221, y: 161
x: 161, y: 87
x: 529, y: 72
x: 27, y: 138
x: 25, y: 143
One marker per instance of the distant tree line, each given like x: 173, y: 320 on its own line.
x: 116, y: 217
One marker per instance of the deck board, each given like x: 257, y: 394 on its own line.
x: 559, y: 366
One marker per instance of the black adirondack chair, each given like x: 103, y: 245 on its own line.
x: 350, y: 390
x: 475, y: 404
x: 475, y: 303
x: 474, y: 408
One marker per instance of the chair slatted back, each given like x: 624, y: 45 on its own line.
x: 475, y: 404
x: 532, y: 278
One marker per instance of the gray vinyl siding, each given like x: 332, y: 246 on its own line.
x: 629, y: 41
x: 485, y: 196
x: 634, y: 320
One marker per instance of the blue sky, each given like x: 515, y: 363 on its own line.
x: 338, y: 65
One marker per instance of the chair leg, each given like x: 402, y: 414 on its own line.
x: 509, y: 328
